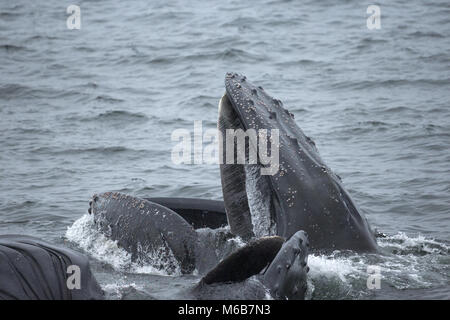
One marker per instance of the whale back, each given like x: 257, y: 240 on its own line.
x: 33, y: 269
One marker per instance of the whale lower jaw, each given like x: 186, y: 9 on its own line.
x: 247, y: 194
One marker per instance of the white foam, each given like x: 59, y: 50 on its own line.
x: 85, y: 235
x: 119, y: 289
x: 411, y: 265
x: 331, y: 267
x: 418, y: 243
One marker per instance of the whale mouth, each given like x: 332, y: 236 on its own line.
x: 302, y: 193
x: 248, y: 196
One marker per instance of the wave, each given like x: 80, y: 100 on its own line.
x: 31, y: 131
x: 429, y: 34
x: 112, y: 116
x: 227, y: 54
x: 105, y: 98
x: 12, y: 90
x: 120, y: 115
x: 122, y: 290
x: 373, y: 84
x: 19, y: 91
x: 402, y: 244
x: 406, y: 262
x: 303, y: 63
x: 99, y: 150
x: 10, y: 48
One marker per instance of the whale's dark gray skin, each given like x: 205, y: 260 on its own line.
x: 32, y: 269
x: 304, y: 194
x: 245, y: 262
x: 286, y: 263
x: 200, y: 213
x: 144, y: 228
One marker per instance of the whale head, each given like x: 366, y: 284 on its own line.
x: 298, y: 192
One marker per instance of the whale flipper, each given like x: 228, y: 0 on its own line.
x: 32, y: 269
x: 246, y: 261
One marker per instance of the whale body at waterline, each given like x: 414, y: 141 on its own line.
x: 147, y: 230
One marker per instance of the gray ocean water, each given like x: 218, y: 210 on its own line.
x: 92, y: 110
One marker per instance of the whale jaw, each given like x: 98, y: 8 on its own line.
x: 247, y: 194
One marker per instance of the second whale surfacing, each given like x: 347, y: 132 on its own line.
x: 149, y: 231
x: 146, y: 230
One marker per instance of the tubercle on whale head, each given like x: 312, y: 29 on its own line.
x: 92, y: 202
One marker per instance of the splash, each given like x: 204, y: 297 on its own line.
x: 84, y: 233
x: 401, y: 243
x: 406, y: 262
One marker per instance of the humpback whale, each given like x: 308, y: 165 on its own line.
x: 304, y: 194
x: 33, y: 269
x: 146, y: 229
